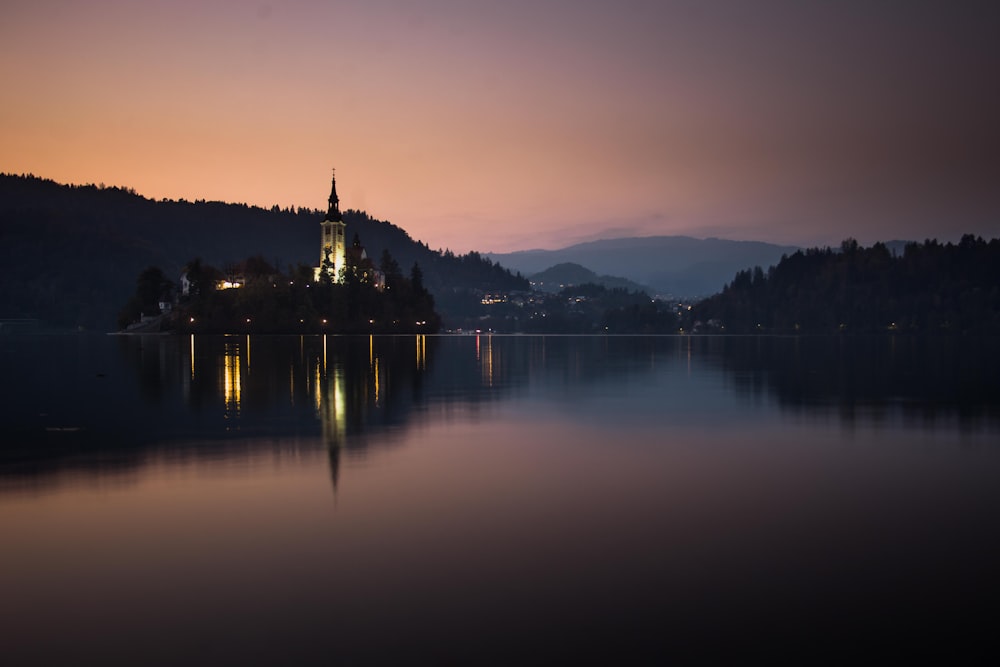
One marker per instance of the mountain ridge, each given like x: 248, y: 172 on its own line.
x: 670, y: 265
x: 560, y: 276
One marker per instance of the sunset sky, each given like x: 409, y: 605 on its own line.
x: 515, y: 124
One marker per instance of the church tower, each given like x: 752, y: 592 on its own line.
x: 332, y: 238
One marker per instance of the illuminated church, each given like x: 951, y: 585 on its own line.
x: 333, y: 251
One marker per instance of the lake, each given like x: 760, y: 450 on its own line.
x: 497, y: 499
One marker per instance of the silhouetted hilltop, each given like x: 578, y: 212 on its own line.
x: 567, y: 274
x: 670, y: 265
x: 930, y: 287
x: 71, y: 252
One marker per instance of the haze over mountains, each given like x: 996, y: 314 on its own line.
x: 669, y: 265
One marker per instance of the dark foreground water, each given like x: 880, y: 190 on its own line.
x: 504, y: 500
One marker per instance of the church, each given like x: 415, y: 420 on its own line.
x: 335, y: 258
x: 333, y: 251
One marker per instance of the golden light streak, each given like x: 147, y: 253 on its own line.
x: 421, y: 351
x: 232, y: 383
x: 487, y: 362
x: 317, y: 393
x: 331, y: 403
x: 339, y: 399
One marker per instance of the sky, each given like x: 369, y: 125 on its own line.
x: 516, y: 124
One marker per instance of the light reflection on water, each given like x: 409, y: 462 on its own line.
x: 496, y: 499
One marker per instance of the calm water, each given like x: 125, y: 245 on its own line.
x: 488, y: 499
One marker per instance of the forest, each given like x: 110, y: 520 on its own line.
x: 930, y: 288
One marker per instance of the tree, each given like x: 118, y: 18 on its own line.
x: 152, y: 287
x: 193, y: 273
x: 326, y: 268
x: 417, y: 279
x: 257, y: 268
x: 201, y: 277
x: 390, y: 268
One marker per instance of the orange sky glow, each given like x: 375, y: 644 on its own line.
x: 499, y: 126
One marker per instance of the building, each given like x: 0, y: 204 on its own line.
x: 333, y: 251
x: 363, y: 267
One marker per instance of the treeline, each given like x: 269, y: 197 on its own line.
x: 930, y: 287
x: 71, y: 252
x: 272, y: 301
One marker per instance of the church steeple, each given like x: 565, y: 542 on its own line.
x: 333, y: 212
x: 332, y: 251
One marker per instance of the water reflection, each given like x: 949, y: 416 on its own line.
x: 557, y: 497
x: 486, y: 360
x: 919, y: 380
x: 99, y: 402
x: 231, y: 383
x: 82, y: 402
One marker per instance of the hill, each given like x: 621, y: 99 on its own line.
x: 561, y: 276
x: 679, y: 266
x: 71, y: 253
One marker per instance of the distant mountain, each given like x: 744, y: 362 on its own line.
x: 674, y: 265
x: 556, y: 278
x: 71, y: 253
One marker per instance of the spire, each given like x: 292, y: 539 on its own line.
x: 333, y: 213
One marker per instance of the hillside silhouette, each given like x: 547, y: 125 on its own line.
x: 678, y: 266
x: 71, y: 253
x: 930, y: 288
x: 560, y: 276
